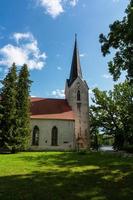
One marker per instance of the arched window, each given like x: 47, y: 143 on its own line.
x: 78, y: 96
x: 54, y: 137
x: 35, y: 136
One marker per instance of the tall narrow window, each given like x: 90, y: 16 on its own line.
x: 54, y: 138
x: 35, y: 136
x: 78, y: 96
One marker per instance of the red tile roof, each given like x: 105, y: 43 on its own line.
x: 42, y: 108
x: 51, y: 109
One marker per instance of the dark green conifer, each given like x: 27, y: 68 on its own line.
x: 9, y: 133
x: 23, y: 106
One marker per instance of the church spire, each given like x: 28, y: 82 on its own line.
x: 75, y: 66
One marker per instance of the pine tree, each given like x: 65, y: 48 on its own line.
x: 23, y: 106
x: 0, y: 115
x: 9, y: 134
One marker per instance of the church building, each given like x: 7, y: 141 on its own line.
x: 63, y: 124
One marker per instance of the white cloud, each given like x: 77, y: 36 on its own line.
x: 106, y: 76
x: 23, y: 52
x: 90, y: 91
x: 56, y: 7
x: 58, y: 93
x: 116, y: 1
x: 52, y: 7
x: 82, y: 55
x: 91, y: 95
x: 73, y: 2
x: 23, y: 36
x: 33, y: 96
x: 59, y: 68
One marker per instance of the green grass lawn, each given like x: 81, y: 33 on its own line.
x: 65, y: 176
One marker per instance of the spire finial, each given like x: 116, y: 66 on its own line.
x: 75, y: 36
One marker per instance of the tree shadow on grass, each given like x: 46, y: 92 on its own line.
x: 88, y: 185
x: 70, y: 159
x: 93, y: 176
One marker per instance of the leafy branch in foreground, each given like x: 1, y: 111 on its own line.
x: 120, y: 38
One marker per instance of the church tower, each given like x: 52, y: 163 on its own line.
x: 76, y: 93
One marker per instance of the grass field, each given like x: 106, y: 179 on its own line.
x: 65, y: 176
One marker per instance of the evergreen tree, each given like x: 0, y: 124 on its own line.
x: 23, y: 106
x: 9, y: 133
x: 0, y: 118
x: 1, y: 115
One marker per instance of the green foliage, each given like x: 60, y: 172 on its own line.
x: 1, y: 115
x: 112, y: 113
x: 120, y: 38
x: 9, y: 134
x: 23, y: 106
x: 106, y: 139
x: 95, y: 141
x: 1, y: 110
x: 128, y: 148
x: 114, y: 110
x: 14, y: 109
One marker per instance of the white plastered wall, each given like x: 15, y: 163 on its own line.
x: 65, y: 128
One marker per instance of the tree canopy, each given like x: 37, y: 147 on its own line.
x: 112, y: 113
x: 120, y: 38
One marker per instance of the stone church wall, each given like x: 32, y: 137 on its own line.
x: 80, y: 108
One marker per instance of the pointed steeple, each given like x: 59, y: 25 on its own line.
x: 75, y: 66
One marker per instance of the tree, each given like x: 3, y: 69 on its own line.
x: 112, y: 114
x: 120, y: 38
x: 94, y: 130
x: 15, y: 110
x: 23, y: 106
x: 1, y: 110
x: 1, y: 115
x: 9, y: 134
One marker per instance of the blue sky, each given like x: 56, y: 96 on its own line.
x: 41, y: 34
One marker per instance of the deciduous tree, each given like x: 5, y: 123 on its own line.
x: 120, y: 38
x: 112, y: 113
